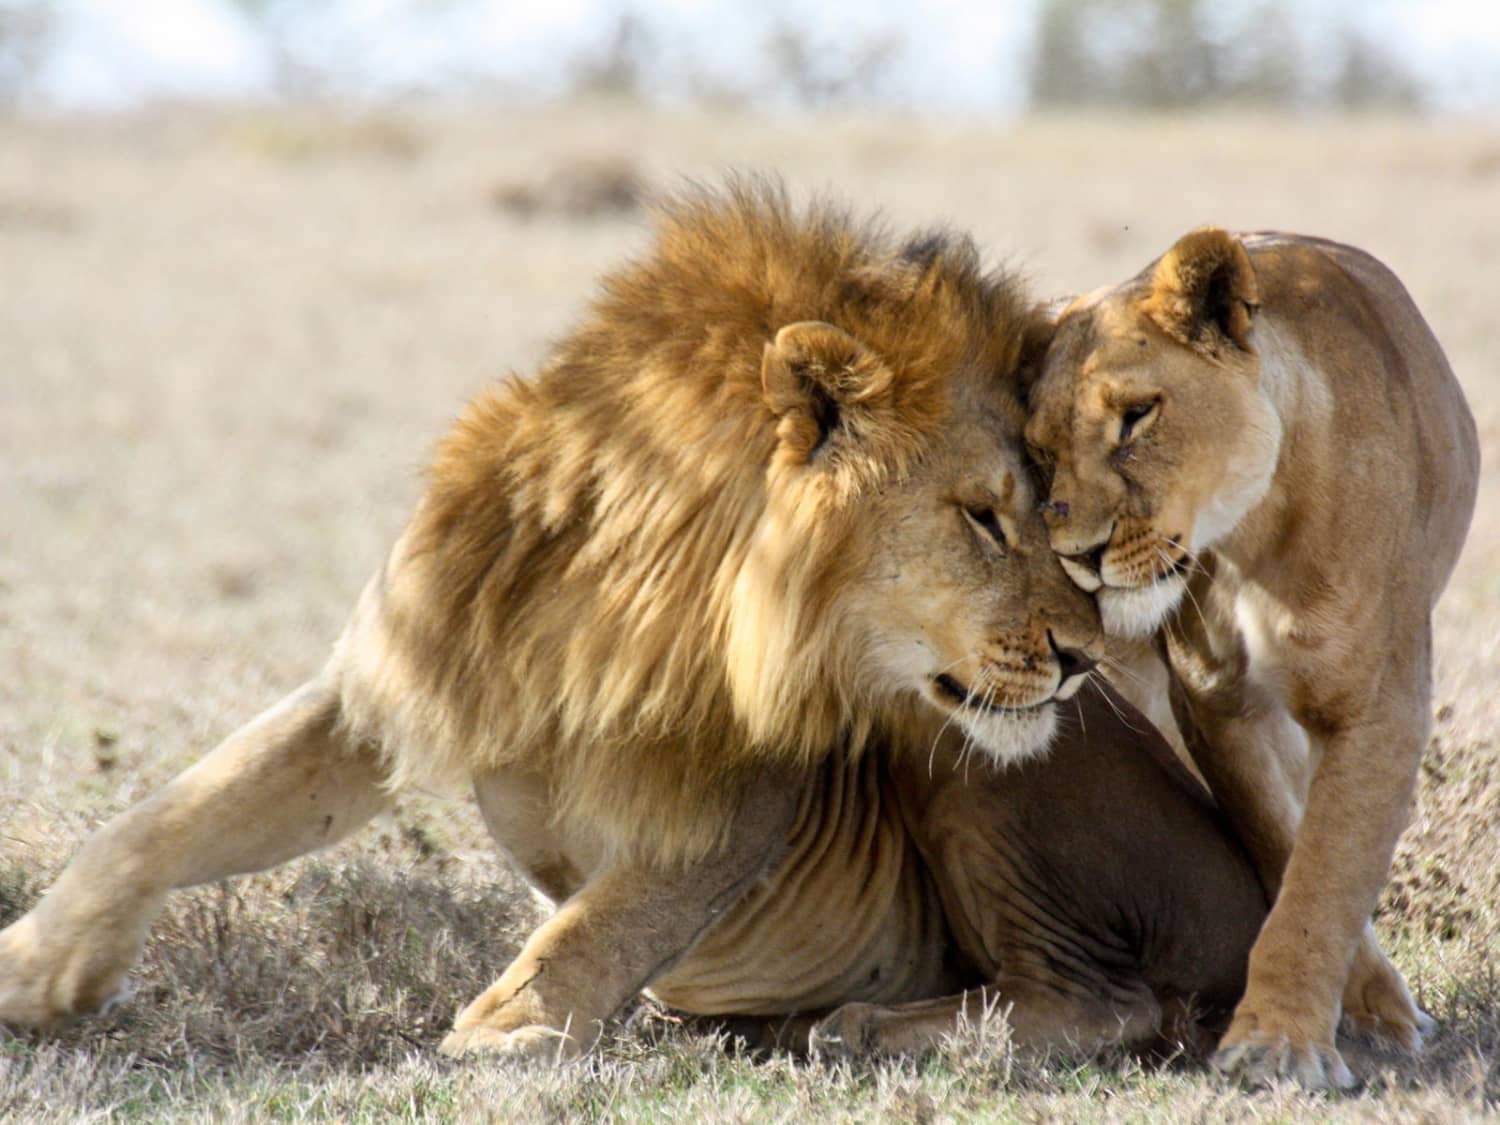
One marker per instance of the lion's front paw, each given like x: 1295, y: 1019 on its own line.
x: 534, y: 1043
x: 39, y: 989
x: 1379, y: 1009
x: 44, y: 983
x: 1260, y: 1057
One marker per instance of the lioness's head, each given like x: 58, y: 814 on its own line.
x: 901, y: 545
x: 1149, y: 417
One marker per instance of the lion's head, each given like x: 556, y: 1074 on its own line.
x: 1150, y: 418
x: 900, y: 554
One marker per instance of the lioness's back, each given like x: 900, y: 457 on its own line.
x: 1350, y: 314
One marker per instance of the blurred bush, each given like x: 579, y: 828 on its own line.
x: 1177, y: 54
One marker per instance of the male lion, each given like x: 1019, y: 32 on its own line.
x: 697, y: 611
x: 1258, y: 449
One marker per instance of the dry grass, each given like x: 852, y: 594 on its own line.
x: 226, y: 344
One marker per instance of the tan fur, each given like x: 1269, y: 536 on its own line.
x: 1286, y: 507
x: 763, y: 509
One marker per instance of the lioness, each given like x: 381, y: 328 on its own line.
x: 706, y: 613
x: 1259, y: 453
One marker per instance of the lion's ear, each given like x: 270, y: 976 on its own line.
x: 1204, y: 290
x: 813, y: 374
x: 1036, y: 338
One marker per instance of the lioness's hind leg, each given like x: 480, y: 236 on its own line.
x: 286, y: 783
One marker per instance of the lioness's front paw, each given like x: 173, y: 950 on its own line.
x: 1389, y: 1027
x: 1260, y: 1058
x: 1379, y: 1009
x: 537, y: 1042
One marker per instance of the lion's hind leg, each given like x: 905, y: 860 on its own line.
x: 286, y: 783
x: 1033, y: 1017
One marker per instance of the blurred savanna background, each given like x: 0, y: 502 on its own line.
x: 255, y: 254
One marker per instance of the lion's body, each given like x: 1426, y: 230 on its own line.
x: 762, y: 517
x: 1259, y: 443
x: 908, y: 882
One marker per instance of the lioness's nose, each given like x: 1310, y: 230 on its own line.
x: 1070, y: 661
x: 1090, y: 560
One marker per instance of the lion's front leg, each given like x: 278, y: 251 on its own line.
x: 625, y: 926
x: 282, y: 785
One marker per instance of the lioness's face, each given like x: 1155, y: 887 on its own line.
x: 958, y: 598
x: 1155, y: 448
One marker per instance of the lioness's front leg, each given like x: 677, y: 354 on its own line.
x: 1359, y: 802
x: 282, y: 785
x: 625, y: 926
x: 1256, y: 759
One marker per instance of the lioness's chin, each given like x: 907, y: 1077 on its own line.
x: 1139, y: 611
x: 1012, y: 737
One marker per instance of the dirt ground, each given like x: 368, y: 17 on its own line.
x: 229, y: 340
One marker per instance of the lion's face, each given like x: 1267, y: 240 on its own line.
x: 1150, y: 420
x: 958, y: 598
x: 931, y: 573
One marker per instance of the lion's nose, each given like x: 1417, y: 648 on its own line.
x: 1070, y: 661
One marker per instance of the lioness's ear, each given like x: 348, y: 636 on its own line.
x: 812, y: 374
x: 1205, y: 285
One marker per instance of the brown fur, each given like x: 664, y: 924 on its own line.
x: 763, y: 508
x: 1257, y: 446
x: 915, y: 893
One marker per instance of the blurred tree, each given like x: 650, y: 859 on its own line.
x: 1265, y: 63
x: 25, y: 27
x: 817, y: 75
x: 1371, y: 78
x: 1172, y: 62
x: 618, y: 70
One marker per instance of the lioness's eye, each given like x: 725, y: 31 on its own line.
x: 987, y: 521
x: 1135, y: 415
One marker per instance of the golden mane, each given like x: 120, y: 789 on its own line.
x: 566, y: 592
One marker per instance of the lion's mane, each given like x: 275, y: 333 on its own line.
x: 576, y: 592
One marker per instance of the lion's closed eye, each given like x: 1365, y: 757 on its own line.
x: 989, y: 524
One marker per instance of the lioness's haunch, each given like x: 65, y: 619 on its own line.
x: 760, y: 524
x: 1259, y: 453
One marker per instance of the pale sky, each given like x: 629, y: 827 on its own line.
x: 956, y: 54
